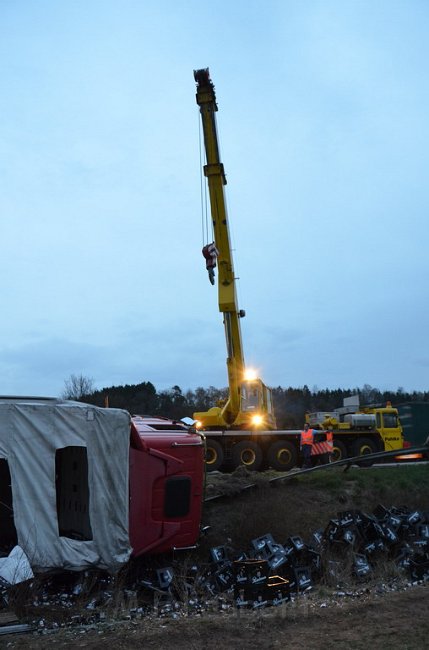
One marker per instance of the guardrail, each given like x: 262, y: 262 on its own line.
x: 346, y: 463
x: 356, y: 460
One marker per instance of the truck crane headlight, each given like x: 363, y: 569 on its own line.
x: 257, y: 420
x: 198, y: 424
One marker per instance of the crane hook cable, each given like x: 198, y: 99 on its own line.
x: 203, y: 193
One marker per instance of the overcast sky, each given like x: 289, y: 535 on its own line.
x: 323, y: 122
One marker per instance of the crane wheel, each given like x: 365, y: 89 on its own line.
x: 247, y: 454
x: 282, y: 455
x: 362, y: 447
x: 214, y: 455
x: 340, y: 451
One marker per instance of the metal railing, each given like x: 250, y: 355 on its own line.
x: 345, y: 462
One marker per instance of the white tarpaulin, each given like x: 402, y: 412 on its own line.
x: 15, y: 567
x: 68, y: 465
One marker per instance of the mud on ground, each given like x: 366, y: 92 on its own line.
x: 395, y: 620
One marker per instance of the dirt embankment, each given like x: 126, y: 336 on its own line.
x: 301, y: 505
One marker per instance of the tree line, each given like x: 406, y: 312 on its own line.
x: 290, y: 404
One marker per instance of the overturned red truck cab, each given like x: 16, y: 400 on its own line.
x: 166, y: 485
x: 83, y: 486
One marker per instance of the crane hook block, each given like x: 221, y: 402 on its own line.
x: 210, y: 253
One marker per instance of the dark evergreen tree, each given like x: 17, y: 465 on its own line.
x: 290, y: 404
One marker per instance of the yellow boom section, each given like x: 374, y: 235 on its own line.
x: 246, y: 399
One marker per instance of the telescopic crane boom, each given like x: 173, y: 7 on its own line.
x: 249, y: 404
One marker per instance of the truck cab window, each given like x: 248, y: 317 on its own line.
x: 390, y: 420
x: 269, y: 402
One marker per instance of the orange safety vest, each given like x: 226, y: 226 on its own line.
x: 330, y: 440
x: 307, y: 437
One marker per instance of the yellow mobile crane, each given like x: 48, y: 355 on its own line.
x: 249, y: 404
x: 242, y: 431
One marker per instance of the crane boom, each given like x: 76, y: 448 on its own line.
x: 249, y: 401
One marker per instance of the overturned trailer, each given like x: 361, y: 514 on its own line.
x: 83, y: 486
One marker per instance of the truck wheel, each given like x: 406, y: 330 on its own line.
x: 214, y: 455
x: 363, y: 446
x: 340, y: 451
x: 282, y: 455
x: 248, y: 454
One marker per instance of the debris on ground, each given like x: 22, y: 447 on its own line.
x: 348, y: 551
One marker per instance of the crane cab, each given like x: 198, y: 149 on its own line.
x: 256, y: 405
x: 255, y: 410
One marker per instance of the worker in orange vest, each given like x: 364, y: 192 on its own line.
x: 306, y: 443
x: 330, y: 441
